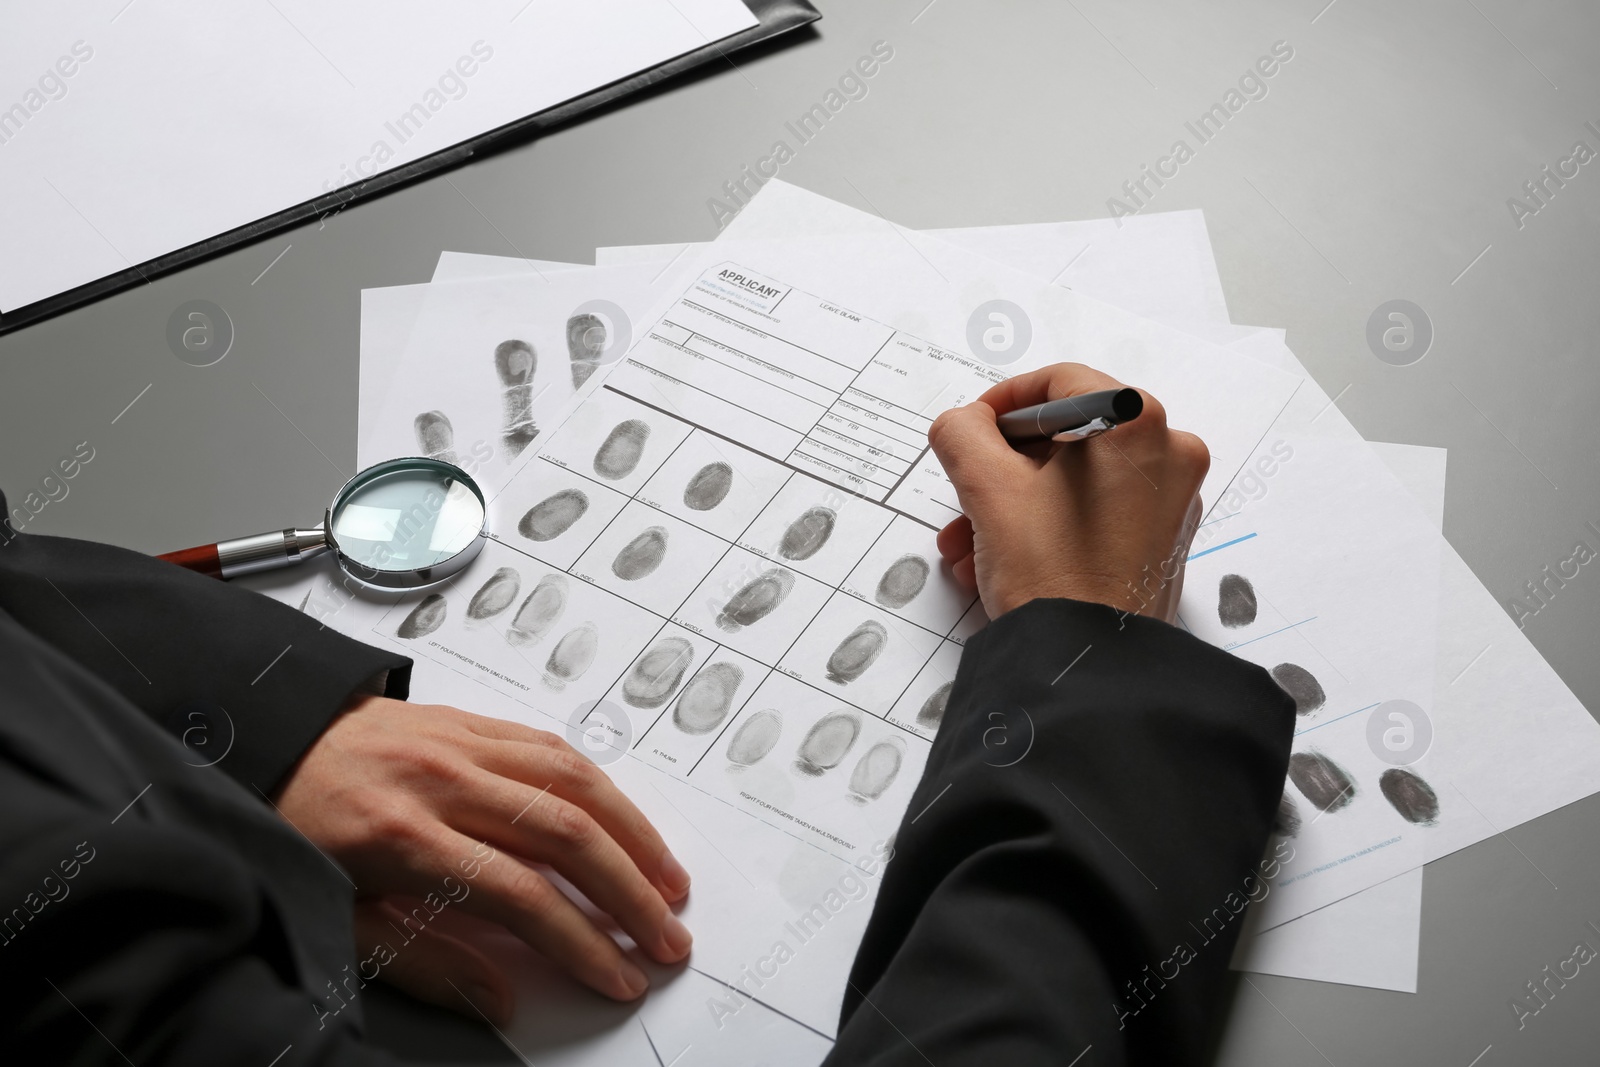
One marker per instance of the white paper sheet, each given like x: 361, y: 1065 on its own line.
x: 182, y: 119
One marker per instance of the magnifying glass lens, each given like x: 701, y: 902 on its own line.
x: 406, y: 517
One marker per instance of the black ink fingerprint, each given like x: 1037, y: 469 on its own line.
x: 876, y: 770
x: 807, y: 534
x: 1287, y: 822
x: 586, y: 343
x: 656, y: 675
x: 756, y: 600
x: 708, y: 487
x: 1413, y: 798
x: 640, y: 557
x: 857, y: 652
x: 827, y: 742
x: 425, y: 618
x: 932, y: 712
x: 554, y: 515
x: 539, y: 612
x: 1322, y: 781
x: 620, y: 452
x: 495, y: 595
x: 515, y: 362
x: 435, y: 436
x: 1300, y: 684
x: 572, y: 656
x: 1236, y: 601
x: 754, y: 738
x: 902, y: 582
x: 707, y: 698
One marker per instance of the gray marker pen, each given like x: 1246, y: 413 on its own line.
x: 1072, y: 418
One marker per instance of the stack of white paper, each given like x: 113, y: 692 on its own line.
x: 730, y: 465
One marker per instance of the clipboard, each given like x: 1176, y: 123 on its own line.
x: 776, y: 18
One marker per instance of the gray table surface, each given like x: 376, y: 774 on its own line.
x: 1378, y: 166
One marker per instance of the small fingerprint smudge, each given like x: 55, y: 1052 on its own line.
x: 656, y: 674
x: 827, y: 742
x: 1287, y: 822
x: 495, y: 595
x: 425, y: 618
x: 515, y: 362
x: 754, y: 738
x: 640, y: 557
x: 1413, y: 798
x: 707, y: 698
x: 1236, y: 601
x: 554, y: 515
x: 902, y: 582
x: 539, y: 612
x: 757, y: 600
x: 857, y: 652
x: 571, y: 657
x: 876, y: 770
x: 1322, y: 781
x: 586, y: 344
x: 435, y: 436
x: 1301, y: 685
x: 931, y: 713
x: 708, y: 487
x: 807, y: 534
x: 622, y: 449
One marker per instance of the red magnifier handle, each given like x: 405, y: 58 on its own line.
x: 247, y: 555
x: 203, y: 559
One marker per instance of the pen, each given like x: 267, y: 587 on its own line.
x: 1072, y: 418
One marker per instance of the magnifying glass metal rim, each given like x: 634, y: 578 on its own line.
x: 283, y: 548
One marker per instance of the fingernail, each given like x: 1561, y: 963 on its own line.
x: 673, y: 874
x: 677, y: 936
x: 633, y: 979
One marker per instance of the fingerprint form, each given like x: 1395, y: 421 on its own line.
x: 586, y: 343
x: 539, y: 612
x: 877, y: 769
x: 902, y: 582
x: 515, y: 362
x: 708, y: 487
x: 707, y: 698
x: 495, y: 595
x: 640, y: 557
x: 620, y: 452
x: 807, y: 534
x: 1287, y: 822
x: 435, y: 436
x: 754, y: 738
x: 1236, y: 601
x: 1301, y: 685
x: 1322, y: 781
x: 425, y: 618
x: 554, y: 515
x: 931, y: 713
x: 827, y: 742
x: 655, y: 677
x: 1413, y: 798
x: 756, y: 600
x: 857, y: 652
x: 571, y: 657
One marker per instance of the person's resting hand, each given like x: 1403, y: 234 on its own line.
x: 1108, y: 520
x: 402, y: 794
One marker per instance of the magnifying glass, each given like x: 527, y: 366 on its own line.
x: 401, y: 524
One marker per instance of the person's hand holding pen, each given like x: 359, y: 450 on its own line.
x: 1107, y: 520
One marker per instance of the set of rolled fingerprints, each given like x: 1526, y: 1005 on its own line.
x: 516, y: 364
x: 534, y: 620
x: 1324, y: 784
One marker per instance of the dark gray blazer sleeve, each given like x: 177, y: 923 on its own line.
x: 189, y: 651
x: 1072, y: 866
